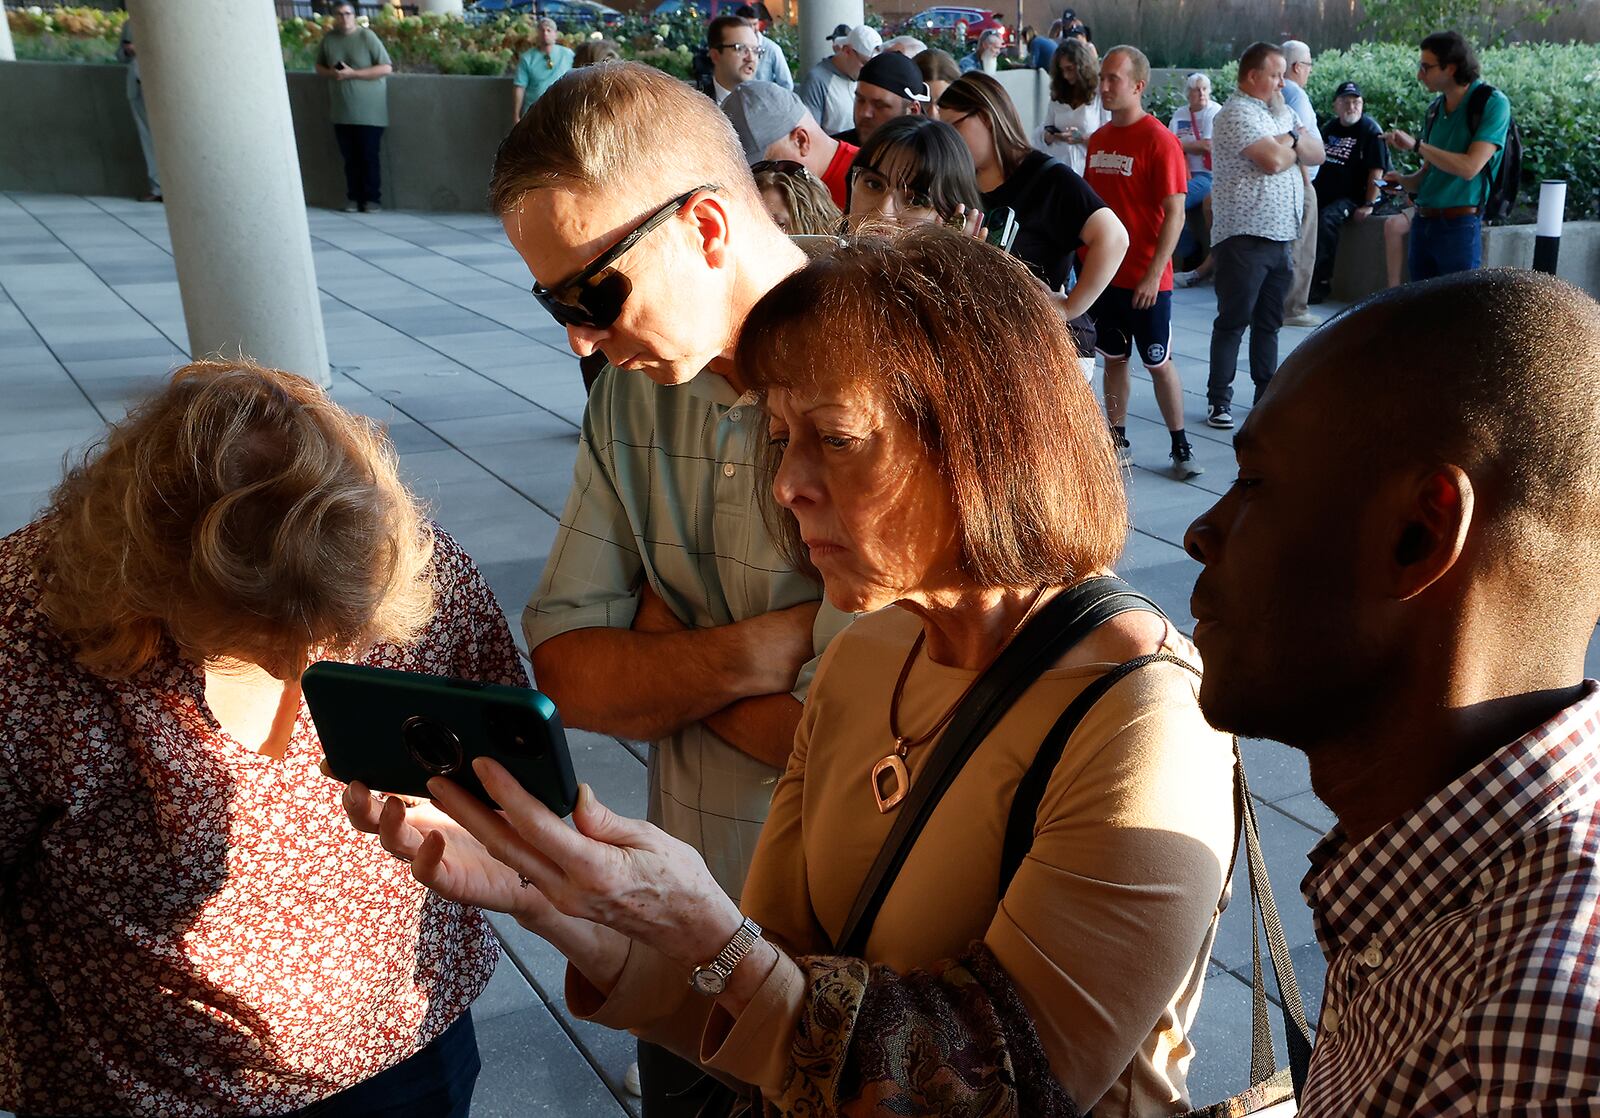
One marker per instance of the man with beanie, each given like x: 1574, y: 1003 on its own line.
x: 829, y: 90
x: 773, y: 123
x: 891, y: 85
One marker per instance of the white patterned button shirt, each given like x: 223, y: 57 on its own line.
x: 1245, y: 200
x: 1462, y: 942
x: 666, y: 489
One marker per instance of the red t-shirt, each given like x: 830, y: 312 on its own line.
x: 1135, y: 169
x: 837, y: 176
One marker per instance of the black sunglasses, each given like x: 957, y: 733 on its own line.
x: 594, y: 297
x: 779, y: 166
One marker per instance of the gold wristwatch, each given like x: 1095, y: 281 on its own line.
x: 712, y: 978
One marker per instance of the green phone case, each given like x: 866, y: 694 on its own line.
x: 394, y: 730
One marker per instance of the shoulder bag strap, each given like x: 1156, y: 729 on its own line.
x: 1063, y: 621
x: 1019, y: 839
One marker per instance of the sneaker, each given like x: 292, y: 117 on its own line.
x: 630, y: 1080
x: 1185, y: 279
x: 1124, y: 451
x: 1220, y: 418
x: 1184, y: 466
x: 1304, y: 318
x: 372, y: 208
x: 351, y: 208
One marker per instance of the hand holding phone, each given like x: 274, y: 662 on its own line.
x: 394, y: 731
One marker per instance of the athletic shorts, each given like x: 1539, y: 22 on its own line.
x: 1119, y: 325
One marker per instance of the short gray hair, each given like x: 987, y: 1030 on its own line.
x: 550, y: 23
x: 1294, y: 51
x: 1198, y: 80
x: 916, y: 46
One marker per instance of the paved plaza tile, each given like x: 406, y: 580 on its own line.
x: 431, y: 330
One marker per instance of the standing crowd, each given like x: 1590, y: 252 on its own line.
x: 942, y: 813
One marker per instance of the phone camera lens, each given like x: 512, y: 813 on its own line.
x: 433, y: 745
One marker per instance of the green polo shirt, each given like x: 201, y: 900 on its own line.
x: 355, y: 101
x: 666, y: 489
x: 1453, y: 132
x: 536, y: 73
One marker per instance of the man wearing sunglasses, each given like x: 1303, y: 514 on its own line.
x: 665, y: 612
x: 735, y: 49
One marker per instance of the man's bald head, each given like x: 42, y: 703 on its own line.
x: 1496, y: 371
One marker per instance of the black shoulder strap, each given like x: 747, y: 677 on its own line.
x: 1024, y: 817
x: 1059, y: 625
x: 1435, y: 107
x: 1476, y: 104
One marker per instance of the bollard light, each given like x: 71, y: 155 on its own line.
x: 1547, y: 233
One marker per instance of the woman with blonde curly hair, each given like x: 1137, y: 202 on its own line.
x: 797, y: 200
x: 186, y: 926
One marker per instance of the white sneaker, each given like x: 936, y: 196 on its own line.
x: 1189, y: 279
x: 630, y: 1080
x: 1304, y: 318
x: 351, y: 208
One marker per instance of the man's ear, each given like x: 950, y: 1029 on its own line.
x: 801, y: 139
x: 709, y: 212
x: 1430, y: 534
x: 917, y: 109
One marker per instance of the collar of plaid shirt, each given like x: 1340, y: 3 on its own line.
x: 1430, y: 860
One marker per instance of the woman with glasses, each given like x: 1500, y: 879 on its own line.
x: 797, y: 200
x: 1063, y: 223
x: 948, y: 489
x: 913, y: 170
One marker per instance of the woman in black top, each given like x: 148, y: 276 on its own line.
x: 1057, y: 211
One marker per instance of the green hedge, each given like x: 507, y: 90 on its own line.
x: 1555, y: 100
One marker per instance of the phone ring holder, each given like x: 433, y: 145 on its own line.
x: 433, y: 745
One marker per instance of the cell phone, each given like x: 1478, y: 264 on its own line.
x: 394, y: 730
x: 1002, y: 225
x: 1052, y: 129
x: 340, y: 65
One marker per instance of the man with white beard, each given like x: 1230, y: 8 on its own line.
x: 1347, y: 188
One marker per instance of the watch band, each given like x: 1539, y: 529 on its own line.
x: 712, y: 978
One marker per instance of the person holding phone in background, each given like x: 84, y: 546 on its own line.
x: 358, y: 101
x: 188, y: 926
x: 1075, y: 110
x: 1136, y: 165
x: 1057, y: 211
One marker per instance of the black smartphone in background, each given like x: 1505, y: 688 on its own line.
x: 394, y: 730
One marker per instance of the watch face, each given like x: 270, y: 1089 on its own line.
x: 708, y: 982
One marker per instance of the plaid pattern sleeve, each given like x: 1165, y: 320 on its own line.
x: 1463, y: 975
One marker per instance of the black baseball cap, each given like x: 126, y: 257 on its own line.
x: 839, y: 32
x: 895, y: 72
x: 1347, y: 89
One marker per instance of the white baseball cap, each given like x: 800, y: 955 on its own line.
x: 862, y: 39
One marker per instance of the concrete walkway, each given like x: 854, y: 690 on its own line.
x: 431, y: 329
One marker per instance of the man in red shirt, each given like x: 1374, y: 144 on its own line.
x: 773, y: 123
x: 1137, y: 167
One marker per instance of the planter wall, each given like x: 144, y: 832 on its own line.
x: 1359, y: 268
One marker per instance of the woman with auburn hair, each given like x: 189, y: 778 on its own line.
x: 1075, y: 111
x: 1039, y: 946
x: 187, y: 927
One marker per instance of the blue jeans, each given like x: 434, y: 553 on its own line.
x: 1198, y: 191
x: 1442, y: 245
x: 435, y: 1082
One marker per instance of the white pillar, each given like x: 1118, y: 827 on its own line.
x: 817, y: 18
x: 230, y: 175
x: 441, y: 7
x: 8, y: 53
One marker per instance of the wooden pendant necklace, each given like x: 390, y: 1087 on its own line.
x: 890, y: 778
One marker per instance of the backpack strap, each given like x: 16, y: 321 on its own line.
x: 1476, y: 105
x: 1061, y: 623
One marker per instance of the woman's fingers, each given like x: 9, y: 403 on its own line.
x: 396, y: 834
x: 362, y: 807
x: 499, y: 838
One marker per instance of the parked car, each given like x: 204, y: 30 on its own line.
x: 566, y: 13
x: 711, y: 9
x: 977, y: 20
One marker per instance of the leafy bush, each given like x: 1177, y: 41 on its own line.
x: 1555, y: 100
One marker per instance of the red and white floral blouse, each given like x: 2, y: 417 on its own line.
x: 188, y: 927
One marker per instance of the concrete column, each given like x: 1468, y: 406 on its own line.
x: 8, y: 53
x: 817, y: 18
x: 230, y: 174
x: 440, y: 7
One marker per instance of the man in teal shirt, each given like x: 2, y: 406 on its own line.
x: 1460, y: 152
x: 539, y: 68
x: 358, y: 101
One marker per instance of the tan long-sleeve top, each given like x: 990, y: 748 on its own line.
x: 1105, y: 929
